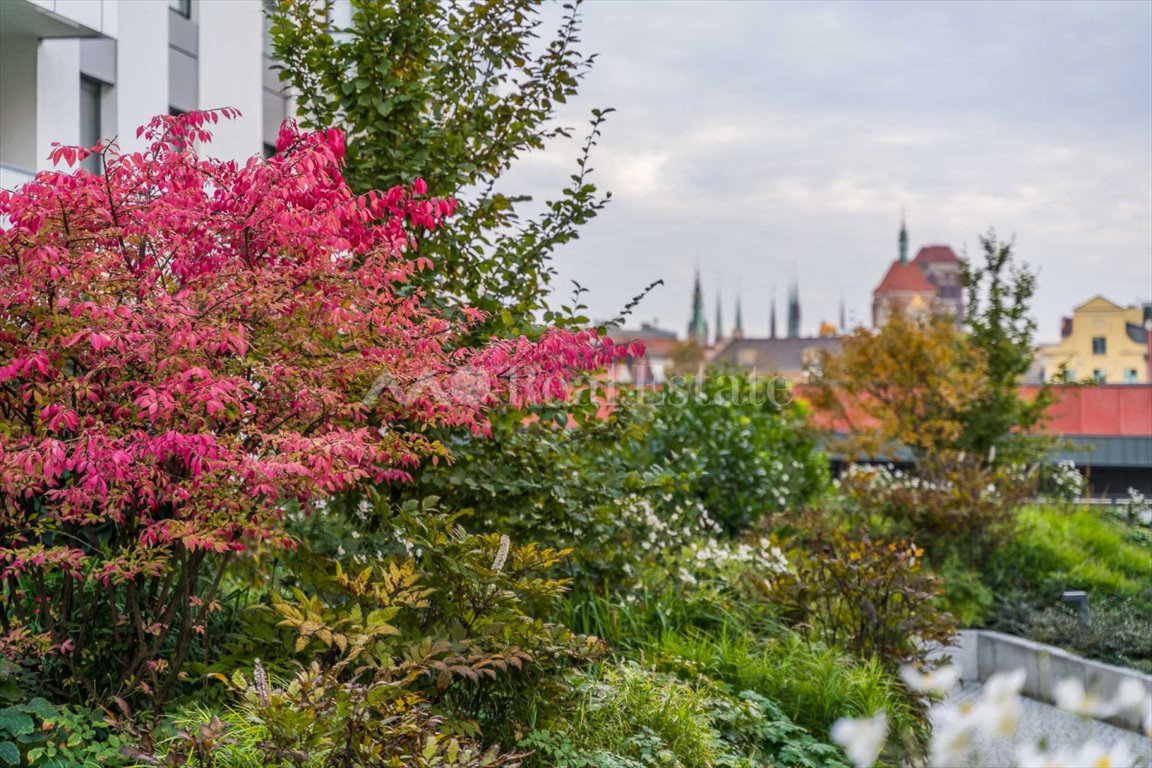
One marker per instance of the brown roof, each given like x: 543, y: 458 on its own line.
x: 774, y: 355
x: 904, y: 277
x: 935, y: 253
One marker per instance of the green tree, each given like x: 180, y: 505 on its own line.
x: 454, y: 93
x: 999, y: 423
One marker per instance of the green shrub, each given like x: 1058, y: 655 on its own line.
x: 1117, y: 631
x: 628, y: 716
x: 738, y: 445
x: 574, y: 487
x: 34, y: 732
x: 966, y: 595
x: 454, y: 619
x: 871, y: 598
x: 954, y: 507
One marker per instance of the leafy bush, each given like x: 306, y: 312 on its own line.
x: 1116, y: 631
x: 572, y: 486
x: 627, y: 716
x: 869, y: 597
x: 965, y: 593
x: 633, y: 713
x: 314, y: 720
x: 192, y: 346
x: 955, y: 506
x: 34, y: 732
x: 454, y: 619
x: 737, y: 445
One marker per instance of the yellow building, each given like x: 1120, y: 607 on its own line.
x: 1104, y: 342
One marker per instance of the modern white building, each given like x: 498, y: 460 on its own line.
x: 75, y: 71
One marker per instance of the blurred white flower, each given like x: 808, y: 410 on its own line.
x: 862, y: 738
x: 997, y: 714
x: 1069, y: 695
x: 938, y: 681
x: 1131, y: 695
x: 1098, y: 756
x: 1030, y: 756
x: 953, y: 728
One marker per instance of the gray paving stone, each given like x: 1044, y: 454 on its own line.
x: 1063, y: 730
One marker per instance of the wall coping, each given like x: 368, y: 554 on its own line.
x: 981, y: 653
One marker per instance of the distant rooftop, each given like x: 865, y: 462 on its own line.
x: 930, y: 254
x: 905, y: 277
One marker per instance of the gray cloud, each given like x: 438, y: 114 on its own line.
x: 772, y: 140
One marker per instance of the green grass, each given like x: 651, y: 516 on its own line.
x: 813, y: 685
x: 1058, y: 548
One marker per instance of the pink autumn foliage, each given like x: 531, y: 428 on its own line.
x: 187, y: 343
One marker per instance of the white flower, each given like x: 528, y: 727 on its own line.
x: 1098, y: 756
x: 1129, y: 696
x: 501, y: 552
x: 1069, y: 694
x: 953, y: 727
x: 1004, y: 685
x: 997, y: 714
x: 938, y: 681
x: 862, y: 738
x: 1029, y: 756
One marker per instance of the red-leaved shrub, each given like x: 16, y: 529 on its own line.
x: 187, y: 345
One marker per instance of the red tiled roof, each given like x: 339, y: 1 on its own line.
x: 904, y: 277
x: 935, y: 253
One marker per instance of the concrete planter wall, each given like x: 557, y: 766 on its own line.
x: 980, y: 654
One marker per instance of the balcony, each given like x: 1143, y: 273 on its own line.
x: 41, y: 19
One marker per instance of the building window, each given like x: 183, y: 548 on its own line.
x: 1098, y: 376
x: 90, y: 121
x: 1099, y: 345
x: 182, y: 7
x: 1130, y: 376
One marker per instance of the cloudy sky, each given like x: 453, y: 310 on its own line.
x: 774, y: 140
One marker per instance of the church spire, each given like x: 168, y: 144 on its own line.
x: 719, y: 328
x: 794, y: 311
x: 903, y: 239
x: 772, y: 317
x: 738, y: 331
x: 843, y: 322
x: 698, y: 326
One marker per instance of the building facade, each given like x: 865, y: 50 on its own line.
x: 76, y: 71
x: 1104, y: 342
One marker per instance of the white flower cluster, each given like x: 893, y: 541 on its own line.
x: 957, y: 728
x: 887, y: 478
x: 656, y: 533
x: 1139, y: 507
x: 711, y: 557
x: 1065, y: 481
